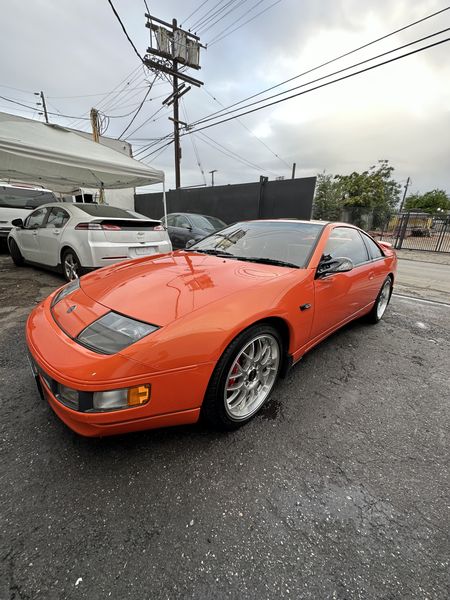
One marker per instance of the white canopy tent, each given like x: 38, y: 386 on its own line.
x: 63, y: 161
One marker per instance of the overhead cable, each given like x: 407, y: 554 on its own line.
x: 344, y: 77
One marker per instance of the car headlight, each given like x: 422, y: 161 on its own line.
x: 66, y: 290
x: 113, y: 332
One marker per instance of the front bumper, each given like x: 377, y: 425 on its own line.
x: 176, y: 395
x: 4, y: 232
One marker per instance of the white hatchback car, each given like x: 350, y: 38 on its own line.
x: 78, y: 237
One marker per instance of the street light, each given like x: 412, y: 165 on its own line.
x: 212, y: 176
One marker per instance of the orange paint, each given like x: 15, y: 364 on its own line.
x: 201, y: 303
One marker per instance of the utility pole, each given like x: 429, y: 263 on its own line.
x: 172, y: 47
x: 44, y: 105
x: 96, y: 137
x: 293, y: 170
x: 404, y: 194
x: 212, y: 176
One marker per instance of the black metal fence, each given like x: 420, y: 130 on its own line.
x: 260, y: 200
x: 418, y: 231
x: 405, y: 230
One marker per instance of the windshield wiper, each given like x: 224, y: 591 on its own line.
x: 214, y: 252
x: 268, y: 261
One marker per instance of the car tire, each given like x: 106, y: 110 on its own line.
x: 243, y: 378
x: 71, y: 266
x: 381, y: 303
x: 16, y: 255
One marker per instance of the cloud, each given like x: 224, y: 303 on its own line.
x: 399, y: 112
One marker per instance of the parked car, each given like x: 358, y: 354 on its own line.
x: 17, y: 201
x: 78, y: 237
x: 184, y: 227
x: 164, y: 339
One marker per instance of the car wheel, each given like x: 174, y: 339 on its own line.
x: 71, y: 265
x: 243, y: 378
x: 381, y: 303
x: 16, y: 255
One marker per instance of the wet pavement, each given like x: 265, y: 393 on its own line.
x: 338, y: 490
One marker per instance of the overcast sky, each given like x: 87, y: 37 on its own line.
x: 77, y: 53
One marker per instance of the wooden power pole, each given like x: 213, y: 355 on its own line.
x: 172, y: 48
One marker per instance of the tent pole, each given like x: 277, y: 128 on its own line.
x: 165, y: 203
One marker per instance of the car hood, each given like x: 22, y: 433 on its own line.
x: 164, y: 288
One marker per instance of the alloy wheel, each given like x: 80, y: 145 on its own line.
x: 383, y: 299
x: 251, y: 377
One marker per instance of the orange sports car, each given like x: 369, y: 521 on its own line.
x: 166, y: 339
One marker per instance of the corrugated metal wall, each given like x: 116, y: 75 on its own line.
x: 274, y: 199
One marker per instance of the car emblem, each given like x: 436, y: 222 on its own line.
x: 71, y: 308
x: 140, y: 233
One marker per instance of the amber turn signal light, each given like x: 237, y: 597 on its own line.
x: 138, y: 395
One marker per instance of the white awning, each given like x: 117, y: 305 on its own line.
x: 63, y: 161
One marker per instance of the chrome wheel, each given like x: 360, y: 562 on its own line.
x: 251, y: 377
x: 383, y: 298
x: 71, y: 267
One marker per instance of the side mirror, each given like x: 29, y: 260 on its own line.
x: 189, y: 243
x: 17, y: 223
x: 329, y: 266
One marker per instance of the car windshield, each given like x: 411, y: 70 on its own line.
x: 288, y: 243
x: 23, y: 198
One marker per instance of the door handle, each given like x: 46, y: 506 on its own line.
x: 371, y: 276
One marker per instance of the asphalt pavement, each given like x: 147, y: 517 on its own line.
x: 338, y: 490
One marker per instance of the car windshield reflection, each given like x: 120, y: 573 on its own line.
x: 286, y: 243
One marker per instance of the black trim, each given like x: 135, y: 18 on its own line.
x: 85, y: 401
x: 286, y: 365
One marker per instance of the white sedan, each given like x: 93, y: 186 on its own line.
x: 78, y: 237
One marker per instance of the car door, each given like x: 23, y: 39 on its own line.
x: 377, y: 273
x: 339, y: 296
x: 28, y: 235
x: 49, y: 236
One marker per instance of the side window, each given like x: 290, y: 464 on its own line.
x: 170, y: 220
x: 36, y: 219
x: 57, y: 218
x: 346, y: 243
x: 374, y: 250
x: 180, y: 221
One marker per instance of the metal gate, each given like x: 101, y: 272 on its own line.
x: 418, y: 231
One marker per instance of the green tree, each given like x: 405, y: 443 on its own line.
x: 363, y: 198
x: 429, y: 202
x: 327, y: 198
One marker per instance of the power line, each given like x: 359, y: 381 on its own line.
x: 231, y: 154
x: 206, y: 15
x: 252, y: 133
x: 232, y: 9
x: 49, y: 112
x: 207, y: 22
x: 139, y: 107
x: 236, y: 21
x: 146, y: 121
x: 328, y: 62
x: 319, y: 86
x: 193, y: 142
x: 246, y: 22
x: 125, y: 31
x: 219, y: 114
x: 193, y: 12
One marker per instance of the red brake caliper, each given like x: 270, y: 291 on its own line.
x: 233, y: 372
